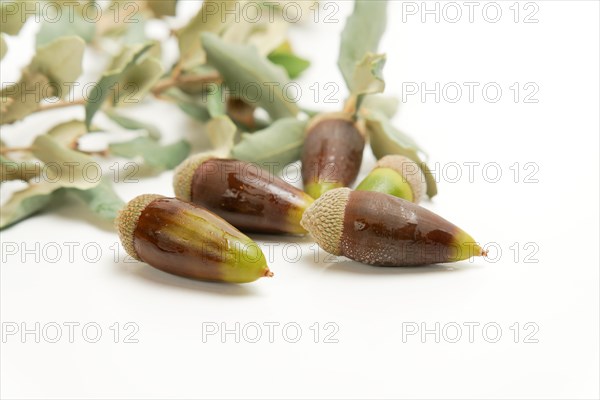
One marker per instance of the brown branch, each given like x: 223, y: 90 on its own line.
x: 101, y: 153
x: 176, y: 80
x: 6, y: 150
x: 179, y: 80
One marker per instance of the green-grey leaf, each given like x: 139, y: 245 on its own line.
x: 361, y: 35
x: 3, y: 46
x: 101, y: 90
x: 68, y: 133
x: 368, y: 75
x: 14, y: 104
x: 293, y: 64
x: 102, y: 199
x: 195, y: 111
x: 386, y: 139
x: 133, y: 32
x: 215, y: 104
x: 191, y: 105
x: 11, y: 170
x: 12, y: 16
x: 133, y: 124
x: 59, y: 60
x: 161, y: 8
x: 386, y: 105
x: 27, y: 202
x: 69, y: 168
x: 154, y: 155
x: 137, y: 80
x: 53, y: 67
x: 275, y: 146
x: 221, y: 132
x: 67, y: 18
x: 208, y: 19
x: 266, y: 34
x: 69, y: 24
x: 249, y: 76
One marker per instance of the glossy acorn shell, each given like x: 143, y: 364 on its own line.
x: 332, y: 154
x: 186, y: 240
x: 248, y: 197
x: 381, y: 229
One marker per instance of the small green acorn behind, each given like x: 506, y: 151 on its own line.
x: 396, y: 175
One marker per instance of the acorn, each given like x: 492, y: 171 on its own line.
x: 186, y: 240
x: 332, y: 153
x: 241, y: 112
x: 380, y: 229
x: 396, y: 175
x: 245, y: 195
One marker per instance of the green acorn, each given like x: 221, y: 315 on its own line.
x: 396, y: 175
x: 186, y: 240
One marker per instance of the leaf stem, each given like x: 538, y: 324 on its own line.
x: 351, y: 105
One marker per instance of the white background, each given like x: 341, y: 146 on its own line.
x: 559, y: 214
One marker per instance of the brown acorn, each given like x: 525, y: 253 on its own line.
x: 248, y: 197
x: 381, y: 229
x: 332, y: 153
x: 241, y: 112
x: 186, y: 240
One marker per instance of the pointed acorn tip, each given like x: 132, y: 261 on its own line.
x: 268, y: 273
x: 483, y: 252
x: 479, y: 251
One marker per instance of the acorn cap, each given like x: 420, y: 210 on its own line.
x: 184, y: 173
x: 404, y: 166
x: 324, y: 219
x: 127, y: 220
